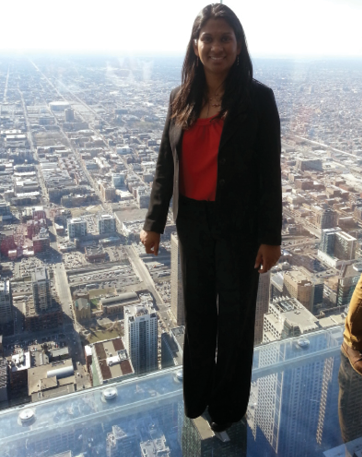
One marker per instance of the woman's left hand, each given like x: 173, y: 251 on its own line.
x: 267, y: 256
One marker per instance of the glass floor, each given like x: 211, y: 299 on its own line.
x: 305, y: 400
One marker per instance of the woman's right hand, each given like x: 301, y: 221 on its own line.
x: 151, y: 241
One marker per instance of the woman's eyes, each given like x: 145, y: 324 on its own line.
x: 224, y: 39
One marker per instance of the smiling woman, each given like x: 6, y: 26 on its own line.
x: 219, y: 159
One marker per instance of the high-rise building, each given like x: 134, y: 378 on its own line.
x: 298, y: 285
x: 106, y: 224
x: 69, y: 115
x: 172, y: 344
x: 307, y: 389
x: 327, y: 218
x: 287, y: 317
x: 348, y: 278
x: 6, y: 302
x: 140, y: 335
x: 40, y: 283
x: 199, y: 440
x: 4, y: 380
x: 77, y: 227
x: 262, y: 305
x: 177, y: 296
x: 337, y: 246
x: 118, y: 179
x: 345, y: 246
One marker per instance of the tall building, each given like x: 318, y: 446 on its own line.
x: 298, y: 285
x: 118, y: 179
x: 177, y: 296
x: 77, y: 227
x: 307, y: 390
x: 348, y: 278
x: 287, y: 317
x: 327, y: 218
x: 4, y: 380
x: 198, y: 440
x: 69, y: 115
x: 40, y: 283
x: 6, y: 302
x: 140, y: 335
x: 108, y: 192
x: 106, y: 224
x: 172, y: 344
x: 337, y: 246
x: 262, y: 305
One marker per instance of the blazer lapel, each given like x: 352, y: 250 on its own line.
x: 175, y: 135
x: 233, y: 121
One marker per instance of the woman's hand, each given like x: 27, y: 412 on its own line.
x: 267, y: 256
x: 151, y: 241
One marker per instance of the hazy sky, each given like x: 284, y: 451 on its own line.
x: 272, y: 27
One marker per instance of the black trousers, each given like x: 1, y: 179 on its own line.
x: 220, y: 287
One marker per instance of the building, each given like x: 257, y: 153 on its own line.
x: 177, y: 297
x: 5, y: 209
x: 4, y: 380
x: 108, y: 192
x: 348, y: 278
x: 77, y: 227
x: 287, y: 317
x: 106, y: 224
x: 118, y: 180
x: 262, y: 305
x: 140, y: 334
x: 298, y: 285
x: 19, y: 365
x: 95, y: 253
x: 6, y: 302
x: 198, y: 440
x: 59, y: 106
x: 82, y: 309
x: 116, y: 304
x: 110, y: 361
x: 309, y: 164
x: 297, y: 400
x: 69, y: 115
x: 40, y: 283
x: 336, y: 246
x: 41, y: 242
x: 122, y: 441
x: 327, y: 219
x: 172, y: 345
x: 56, y: 379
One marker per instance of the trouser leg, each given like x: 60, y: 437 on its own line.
x: 237, y: 284
x: 353, y: 326
x: 197, y: 249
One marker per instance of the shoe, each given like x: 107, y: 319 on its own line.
x: 219, y: 427
x: 354, y: 357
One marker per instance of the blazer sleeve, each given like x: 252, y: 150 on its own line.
x: 162, y: 187
x: 270, y: 190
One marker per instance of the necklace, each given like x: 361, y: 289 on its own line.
x: 214, y: 101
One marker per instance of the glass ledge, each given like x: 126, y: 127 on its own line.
x: 305, y: 400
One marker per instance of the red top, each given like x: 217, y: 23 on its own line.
x: 198, y: 163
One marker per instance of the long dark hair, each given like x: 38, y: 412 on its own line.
x: 188, y: 102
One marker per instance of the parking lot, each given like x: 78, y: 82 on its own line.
x: 117, y: 277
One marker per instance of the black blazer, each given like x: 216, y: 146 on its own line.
x: 248, y: 193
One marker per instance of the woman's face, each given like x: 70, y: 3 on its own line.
x: 217, y: 47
